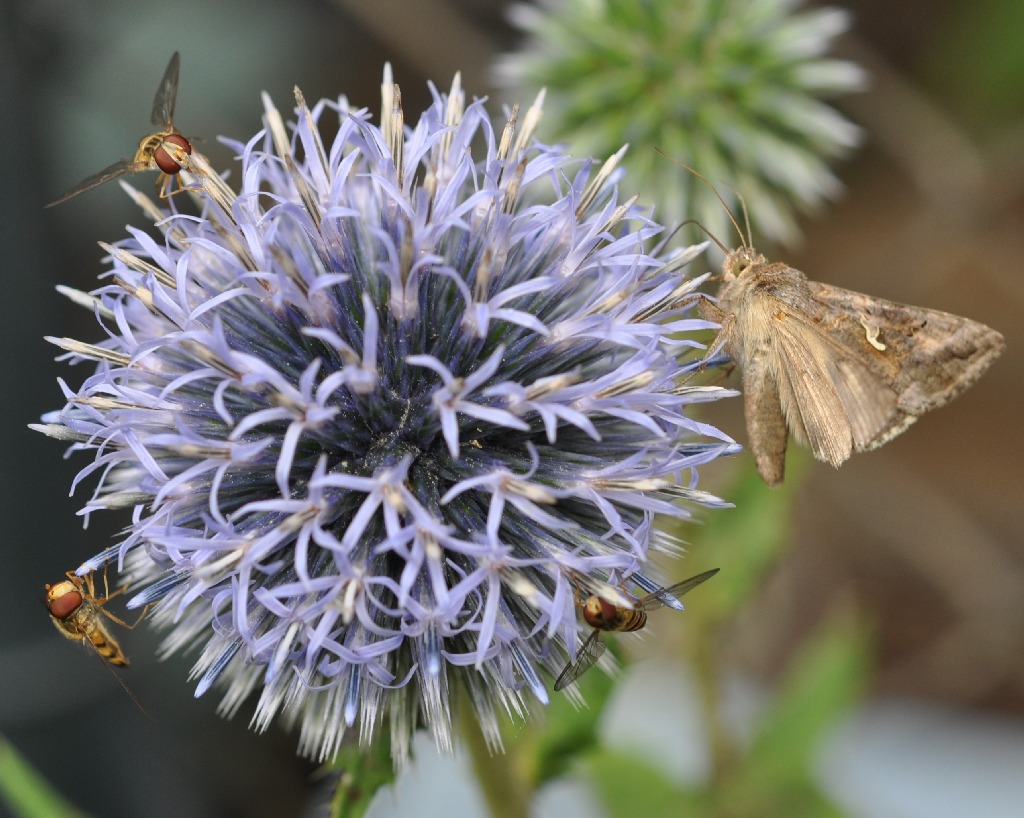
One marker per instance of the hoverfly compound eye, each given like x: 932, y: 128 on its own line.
x: 62, y: 605
x: 164, y: 160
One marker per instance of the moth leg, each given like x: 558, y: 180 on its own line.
x: 710, y: 311
x: 766, y: 424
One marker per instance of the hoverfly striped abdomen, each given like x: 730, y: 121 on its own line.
x: 603, y: 615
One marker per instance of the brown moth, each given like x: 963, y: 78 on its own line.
x: 844, y: 371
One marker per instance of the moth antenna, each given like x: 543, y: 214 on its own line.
x: 718, y: 196
x: 706, y: 232
x: 664, y: 242
x: 746, y: 218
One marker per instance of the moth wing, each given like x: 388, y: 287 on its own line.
x: 872, y: 406
x: 831, y: 400
x: 766, y: 423
x: 927, y: 357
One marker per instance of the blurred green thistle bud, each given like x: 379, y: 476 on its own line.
x: 733, y: 88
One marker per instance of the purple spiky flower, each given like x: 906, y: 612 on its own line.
x: 376, y: 412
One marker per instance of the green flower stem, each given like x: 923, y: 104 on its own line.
x: 723, y: 751
x: 503, y: 777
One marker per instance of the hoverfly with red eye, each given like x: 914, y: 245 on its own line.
x: 75, y: 611
x: 604, y: 615
x: 152, y: 153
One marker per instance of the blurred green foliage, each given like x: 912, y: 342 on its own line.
x: 988, y: 91
x: 361, y: 771
x: 569, y: 732
x: 771, y: 774
x: 771, y: 777
x: 25, y: 792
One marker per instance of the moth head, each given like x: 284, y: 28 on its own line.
x: 740, y: 262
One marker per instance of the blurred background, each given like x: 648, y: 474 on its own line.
x: 919, y: 543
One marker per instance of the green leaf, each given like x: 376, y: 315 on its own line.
x: 824, y: 680
x: 788, y: 799
x: 26, y: 793
x: 570, y: 732
x: 744, y: 541
x: 361, y: 772
x: 629, y: 787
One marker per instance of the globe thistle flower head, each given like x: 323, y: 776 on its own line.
x: 732, y: 88
x: 377, y: 413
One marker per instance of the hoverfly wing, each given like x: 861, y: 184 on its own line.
x: 590, y: 652
x: 666, y: 596
x: 120, y: 167
x: 163, y: 102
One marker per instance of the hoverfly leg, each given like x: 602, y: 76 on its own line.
x: 121, y: 622
x: 107, y: 596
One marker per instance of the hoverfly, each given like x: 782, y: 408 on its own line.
x: 75, y: 611
x: 603, y: 615
x: 151, y: 154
